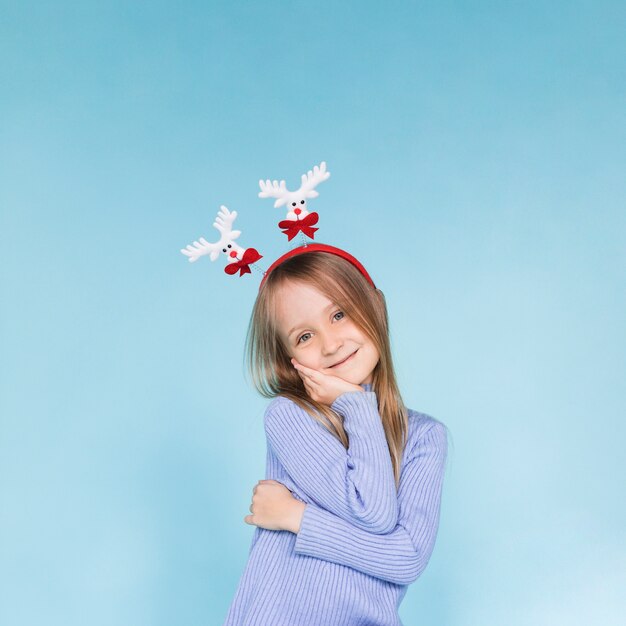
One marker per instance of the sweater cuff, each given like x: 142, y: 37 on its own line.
x: 355, y: 401
x: 311, y: 524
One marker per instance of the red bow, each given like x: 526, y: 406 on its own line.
x: 293, y: 227
x: 249, y: 256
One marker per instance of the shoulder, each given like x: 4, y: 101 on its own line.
x: 421, y: 422
x: 284, y: 415
x: 277, y: 402
x: 423, y: 426
x: 283, y: 410
x: 280, y: 403
x: 277, y: 405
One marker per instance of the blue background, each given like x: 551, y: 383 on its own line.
x: 477, y: 155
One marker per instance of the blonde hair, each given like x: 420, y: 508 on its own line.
x: 269, y: 362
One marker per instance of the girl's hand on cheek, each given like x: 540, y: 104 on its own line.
x: 324, y: 388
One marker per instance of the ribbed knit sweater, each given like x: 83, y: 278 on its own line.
x: 360, y: 542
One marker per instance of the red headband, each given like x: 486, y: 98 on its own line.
x: 318, y: 247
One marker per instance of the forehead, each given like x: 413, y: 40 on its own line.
x: 297, y: 303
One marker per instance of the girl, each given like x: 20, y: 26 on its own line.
x: 348, y: 513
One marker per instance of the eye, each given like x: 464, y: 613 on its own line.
x: 223, y: 249
x: 334, y: 317
x: 230, y: 245
x: 301, y: 201
x: 293, y: 204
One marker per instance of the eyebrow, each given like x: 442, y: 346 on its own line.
x: 330, y: 306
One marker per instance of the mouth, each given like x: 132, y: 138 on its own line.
x: 345, y: 360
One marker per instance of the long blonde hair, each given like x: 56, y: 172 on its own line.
x: 269, y: 362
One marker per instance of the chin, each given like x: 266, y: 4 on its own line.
x: 356, y: 377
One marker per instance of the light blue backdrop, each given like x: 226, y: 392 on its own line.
x: 477, y: 158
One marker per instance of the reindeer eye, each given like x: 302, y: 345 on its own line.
x: 301, y: 201
x: 230, y: 245
x: 293, y: 204
x: 223, y: 249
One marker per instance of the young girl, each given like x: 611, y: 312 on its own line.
x: 348, y: 514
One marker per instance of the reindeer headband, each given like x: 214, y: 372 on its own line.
x: 297, y: 220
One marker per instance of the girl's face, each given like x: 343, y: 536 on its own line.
x: 319, y: 334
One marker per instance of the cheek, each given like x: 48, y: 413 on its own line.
x: 372, y: 353
x: 308, y: 361
x: 304, y: 358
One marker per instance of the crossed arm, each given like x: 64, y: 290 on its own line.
x: 401, y: 555
x: 364, y: 524
x: 357, y: 485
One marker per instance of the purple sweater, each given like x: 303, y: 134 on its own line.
x: 360, y: 543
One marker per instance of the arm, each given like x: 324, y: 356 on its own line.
x: 401, y: 555
x: 356, y: 484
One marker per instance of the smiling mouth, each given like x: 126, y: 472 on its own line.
x: 345, y: 360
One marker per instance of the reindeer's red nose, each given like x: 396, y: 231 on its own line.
x: 233, y: 253
x: 297, y: 211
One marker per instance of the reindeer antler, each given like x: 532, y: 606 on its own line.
x: 274, y: 189
x: 223, y: 223
x: 310, y: 180
x: 203, y: 247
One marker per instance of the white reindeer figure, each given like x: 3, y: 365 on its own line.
x: 238, y: 258
x: 298, y: 218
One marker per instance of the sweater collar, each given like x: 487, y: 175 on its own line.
x: 367, y: 386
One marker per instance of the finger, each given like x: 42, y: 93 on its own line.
x: 309, y: 371
x: 307, y: 386
x: 300, y: 367
x: 308, y: 378
x: 304, y: 379
x: 311, y: 383
x: 308, y: 375
x: 311, y: 391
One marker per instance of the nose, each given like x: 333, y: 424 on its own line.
x: 331, y: 344
x: 233, y: 254
x: 297, y: 211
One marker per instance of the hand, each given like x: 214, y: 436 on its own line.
x: 274, y: 507
x: 324, y: 388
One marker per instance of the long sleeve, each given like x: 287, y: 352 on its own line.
x: 356, y: 484
x: 401, y: 555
